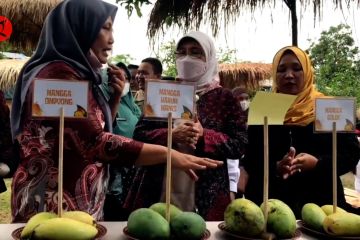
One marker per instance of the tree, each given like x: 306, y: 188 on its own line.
x: 336, y: 62
x: 124, y: 58
x: 166, y: 55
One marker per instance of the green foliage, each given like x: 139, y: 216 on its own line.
x: 130, y: 5
x: 336, y: 62
x: 166, y: 55
x: 124, y: 58
x: 227, y: 55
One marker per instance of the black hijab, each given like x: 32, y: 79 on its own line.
x: 67, y: 35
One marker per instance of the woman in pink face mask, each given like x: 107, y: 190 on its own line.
x: 216, y: 130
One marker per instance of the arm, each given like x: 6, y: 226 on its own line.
x: 225, y: 135
x: 151, y: 131
x: 8, y: 152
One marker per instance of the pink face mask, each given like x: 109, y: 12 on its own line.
x: 190, y: 69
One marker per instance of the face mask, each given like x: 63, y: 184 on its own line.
x: 244, y: 104
x: 126, y: 89
x: 190, y: 69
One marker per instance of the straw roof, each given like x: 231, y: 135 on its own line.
x: 188, y: 14
x: 248, y: 75
x: 27, y: 18
x: 9, y: 72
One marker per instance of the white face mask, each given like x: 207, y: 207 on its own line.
x: 190, y: 69
x: 244, y: 104
x: 126, y: 89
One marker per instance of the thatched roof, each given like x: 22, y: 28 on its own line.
x: 188, y: 14
x: 9, y: 71
x: 27, y: 18
x: 244, y: 74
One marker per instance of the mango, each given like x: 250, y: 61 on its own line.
x: 34, y: 221
x: 145, y: 223
x: 160, y: 207
x: 313, y: 216
x: 328, y: 209
x: 64, y: 228
x: 281, y: 219
x: 187, y: 225
x: 342, y: 224
x: 244, y: 217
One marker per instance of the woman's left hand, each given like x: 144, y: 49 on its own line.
x: 116, y: 81
x: 303, y: 162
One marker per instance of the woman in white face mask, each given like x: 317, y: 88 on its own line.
x: 216, y: 130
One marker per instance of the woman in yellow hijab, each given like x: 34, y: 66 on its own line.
x: 299, y: 159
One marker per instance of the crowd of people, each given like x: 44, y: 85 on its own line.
x: 114, y: 160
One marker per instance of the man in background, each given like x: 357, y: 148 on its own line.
x: 150, y: 68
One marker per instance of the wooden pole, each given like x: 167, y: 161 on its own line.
x: 266, y: 169
x: 334, y: 164
x: 61, y: 161
x: 168, y: 167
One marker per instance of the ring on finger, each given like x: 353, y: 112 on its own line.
x: 299, y: 170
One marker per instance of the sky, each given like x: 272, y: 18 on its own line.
x: 256, y: 37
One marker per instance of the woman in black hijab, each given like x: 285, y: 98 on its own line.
x: 73, y: 45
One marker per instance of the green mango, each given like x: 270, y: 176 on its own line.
x: 342, y: 224
x: 281, y: 219
x: 244, y: 217
x: 187, y: 225
x: 313, y: 216
x: 145, y: 223
x: 160, y: 207
x: 64, y: 229
x: 34, y: 221
x: 328, y: 209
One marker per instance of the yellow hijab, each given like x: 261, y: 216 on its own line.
x: 301, y: 111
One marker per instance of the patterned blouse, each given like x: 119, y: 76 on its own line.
x: 87, y: 151
x: 224, y: 137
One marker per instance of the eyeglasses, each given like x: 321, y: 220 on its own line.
x: 192, y: 52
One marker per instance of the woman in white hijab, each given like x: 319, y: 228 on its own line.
x: 217, y: 131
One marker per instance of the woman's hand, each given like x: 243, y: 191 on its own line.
x: 185, y: 133
x: 303, y: 162
x: 116, y: 80
x: 189, y: 163
x: 283, y: 167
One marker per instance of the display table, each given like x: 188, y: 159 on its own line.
x: 115, y: 231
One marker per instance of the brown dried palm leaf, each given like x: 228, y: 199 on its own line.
x: 9, y: 72
x: 27, y: 18
x: 189, y: 14
x: 244, y: 74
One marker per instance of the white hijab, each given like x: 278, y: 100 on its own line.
x: 210, y: 78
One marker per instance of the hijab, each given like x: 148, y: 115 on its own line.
x: 301, y: 112
x: 210, y: 78
x: 68, y: 33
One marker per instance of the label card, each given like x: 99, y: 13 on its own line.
x: 50, y: 95
x: 340, y: 110
x: 162, y: 97
x: 272, y: 105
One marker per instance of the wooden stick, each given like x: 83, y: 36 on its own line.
x: 60, y: 168
x: 168, y: 167
x: 266, y: 169
x: 334, y: 163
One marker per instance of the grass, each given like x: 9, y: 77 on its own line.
x: 5, y: 214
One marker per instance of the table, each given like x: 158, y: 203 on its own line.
x: 115, y: 231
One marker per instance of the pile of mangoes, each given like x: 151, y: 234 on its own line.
x: 151, y: 223
x: 75, y: 225
x: 340, y: 223
x: 245, y: 218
